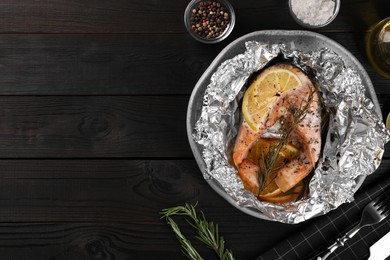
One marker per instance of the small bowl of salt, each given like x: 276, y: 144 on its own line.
x: 314, y: 14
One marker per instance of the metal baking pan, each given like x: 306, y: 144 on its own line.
x: 305, y: 41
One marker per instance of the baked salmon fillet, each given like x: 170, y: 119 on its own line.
x: 279, y: 140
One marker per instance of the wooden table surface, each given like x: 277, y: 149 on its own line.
x: 93, y: 144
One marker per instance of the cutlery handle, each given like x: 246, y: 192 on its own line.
x: 339, y: 242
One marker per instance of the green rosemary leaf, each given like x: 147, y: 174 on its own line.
x: 186, y: 245
x: 207, y: 232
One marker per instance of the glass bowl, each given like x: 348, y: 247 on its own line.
x: 378, y: 47
x: 312, y: 26
x: 198, y: 13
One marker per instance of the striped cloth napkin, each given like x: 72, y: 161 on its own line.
x: 323, y: 231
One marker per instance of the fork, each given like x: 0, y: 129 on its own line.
x: 374, y: 212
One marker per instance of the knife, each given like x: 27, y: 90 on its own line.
x: 381, y: 249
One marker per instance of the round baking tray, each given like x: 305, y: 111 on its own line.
x: 305, y: 41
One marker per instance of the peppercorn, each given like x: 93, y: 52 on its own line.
x: 209, y: 19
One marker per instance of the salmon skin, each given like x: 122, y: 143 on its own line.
x: 304, y: 134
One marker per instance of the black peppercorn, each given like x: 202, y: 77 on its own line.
x: 209, y: 19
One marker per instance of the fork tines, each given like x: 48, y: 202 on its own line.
x: 382, y: 203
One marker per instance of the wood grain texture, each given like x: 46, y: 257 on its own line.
x: 117, y: 191
x: 105, y: 241
x: 93, y: 102
x: 73, y: 201
x: 96, y: 190
x: 101, y: 64
x: 91, y: 16
x: 86, y: 241
x: 58, y: 127
x: 68, y: 210
x: 122, y: 64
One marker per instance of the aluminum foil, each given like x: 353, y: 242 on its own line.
x: 354, y: 142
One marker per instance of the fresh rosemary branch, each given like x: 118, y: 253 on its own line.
x: 286, y: 130
x: 207, y: 232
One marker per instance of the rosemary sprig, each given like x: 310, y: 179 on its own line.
x: 207, y: 232
x: 287, y: 128
x: 186, y: 245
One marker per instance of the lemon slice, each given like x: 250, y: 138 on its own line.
x: 388, y: 122
x: 287, y: 196
x: 271, y: 189
x: 289, y: 151
x: 264, y: 91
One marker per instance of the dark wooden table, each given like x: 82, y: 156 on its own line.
x: 93, y: 144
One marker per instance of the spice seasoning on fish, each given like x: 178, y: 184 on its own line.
x: 209, y: 19
x: 287, y: 128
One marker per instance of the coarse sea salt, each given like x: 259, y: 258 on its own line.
x: 313, y: 12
